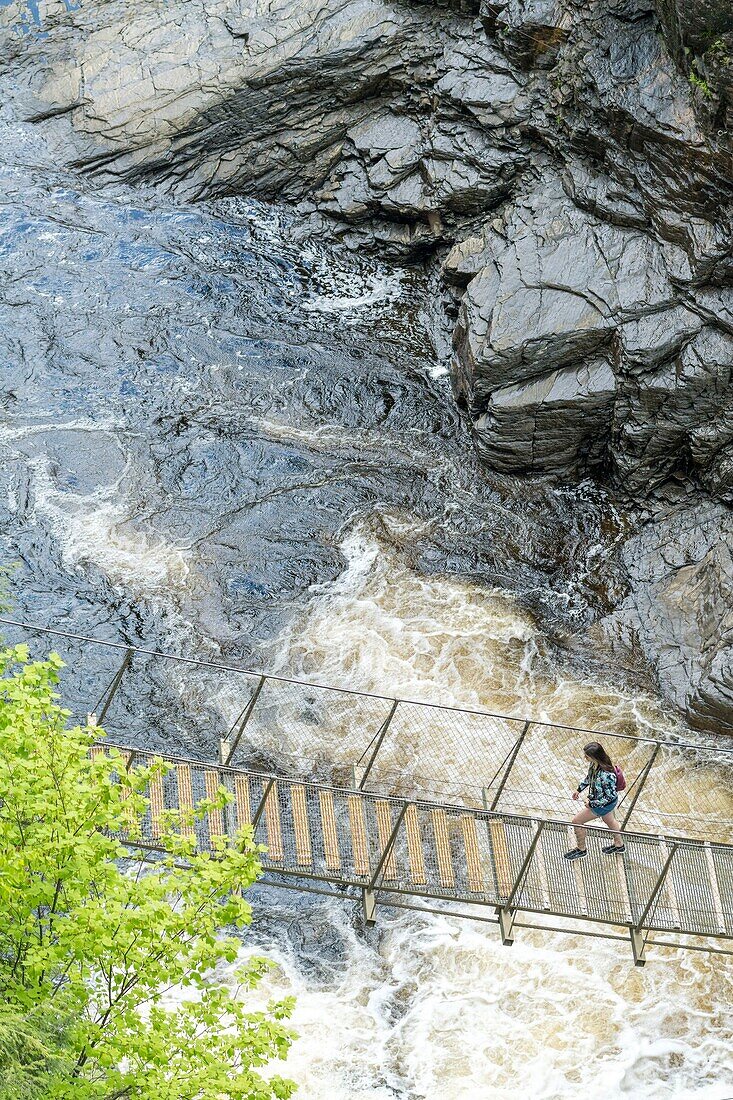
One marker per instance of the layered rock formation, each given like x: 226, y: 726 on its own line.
x: 553, y: 157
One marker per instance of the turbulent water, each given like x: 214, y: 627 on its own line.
x: 223, y: 439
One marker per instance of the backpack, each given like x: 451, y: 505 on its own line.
x: 620, y: 779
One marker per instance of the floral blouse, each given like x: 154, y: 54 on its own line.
x: 602, y: 786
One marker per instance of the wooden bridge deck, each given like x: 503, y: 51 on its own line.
x: 385, y: 848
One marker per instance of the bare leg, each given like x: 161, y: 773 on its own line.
x: 580, y: 819
x: 615, y: 828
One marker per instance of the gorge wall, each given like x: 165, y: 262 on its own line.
x: 564, y: 167
x: 700, y: 36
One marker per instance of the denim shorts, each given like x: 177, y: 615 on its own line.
x: 601, y: 811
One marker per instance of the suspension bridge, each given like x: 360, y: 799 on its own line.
x: 344, y: 790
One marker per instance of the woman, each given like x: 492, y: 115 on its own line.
x: 602, y: 800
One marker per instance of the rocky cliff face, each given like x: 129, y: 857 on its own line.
x: 555, y: 161
x: 699, y: 34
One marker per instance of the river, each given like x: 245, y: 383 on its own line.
x: 226, y: 439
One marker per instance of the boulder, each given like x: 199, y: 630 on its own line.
x: 557, y: 291
x: 677, y: 416
x: 560, y: 420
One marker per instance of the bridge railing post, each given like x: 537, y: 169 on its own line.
x: 110, y: 691
x: 506, y: 913
x: 369, y: 896
x: 361, y: 772
x: 226, y: 749
x: 512, y: 757
x: 640, y: 780
x: 638, y: 939
x: 262, y: 803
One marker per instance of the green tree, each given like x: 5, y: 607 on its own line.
x: 107, y: 956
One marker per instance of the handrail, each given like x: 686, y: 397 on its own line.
x: 363, y: 694
x: 483, y: 815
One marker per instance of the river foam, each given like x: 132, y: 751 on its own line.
x: 431, y: 1006
x: 381, y: 626
x: 102, y: 529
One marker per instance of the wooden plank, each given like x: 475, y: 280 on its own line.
x: 359, y: 843
x: 157, y: 803
x: 241, y: 800
x: 502, y: 865
x: 415, y: 853
x: 96, y: 751
x: 473, y: 856
x: 383, y: 811
x: 185, y: 798
x: 442, y: 849
x: 330, y: 834
x: 303, y: 852
x: 669, y: 887
x: 215, y: 818
x: 717, y: 901
x: 272, y: 824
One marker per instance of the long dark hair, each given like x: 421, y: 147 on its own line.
x: 599, y: 756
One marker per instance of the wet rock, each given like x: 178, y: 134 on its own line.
x: 480, y: 80
x: 556, y: 288
x: 393, y: 168
x: 678, y: 416
x: 533, y: 30
x: 649, y: 340
x: 700, y: 36
x: 609, y: 199
x: 383, y: 116
x: 468, y: 257
x: 680, y: 611
x: 560, y: 421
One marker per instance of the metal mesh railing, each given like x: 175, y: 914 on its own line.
x: 391, y: 747
x: 307, y: 730
x: 440, y: 753
x: 550, y: 764
x: 688, y: 791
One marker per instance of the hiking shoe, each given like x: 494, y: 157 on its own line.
x: 610, y: 849
x: 576, y: 853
